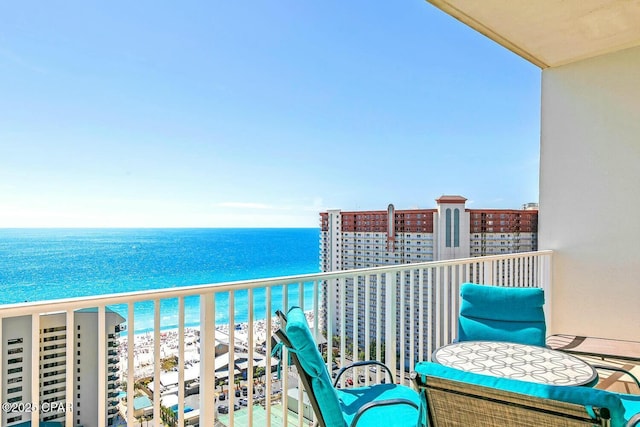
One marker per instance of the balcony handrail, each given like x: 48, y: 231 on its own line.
x: 346, y: 294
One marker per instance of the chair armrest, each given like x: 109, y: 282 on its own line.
x: 363, y: 363
x: 375, y: 404
x: 633, y: 421
x: 616, y: 369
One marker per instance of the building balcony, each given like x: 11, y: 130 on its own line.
x: 355, y: 317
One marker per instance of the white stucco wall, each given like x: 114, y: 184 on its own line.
x: 590, y: 194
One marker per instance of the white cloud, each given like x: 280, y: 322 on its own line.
x: 246, y: 205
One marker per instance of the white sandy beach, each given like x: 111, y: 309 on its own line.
x: 143, y: 351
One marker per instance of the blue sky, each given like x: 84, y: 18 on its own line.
x: 254, y: 114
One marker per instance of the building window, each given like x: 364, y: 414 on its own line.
x: 447, y: 228
x: 456, y: 228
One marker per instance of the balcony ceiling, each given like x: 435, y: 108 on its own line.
x: 550, y: 33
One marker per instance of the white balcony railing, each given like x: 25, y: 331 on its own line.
x: 411, y: 308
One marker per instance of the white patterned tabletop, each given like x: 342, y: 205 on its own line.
x: 516, y: 361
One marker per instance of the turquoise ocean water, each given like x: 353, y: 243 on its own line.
x: 45, y: 264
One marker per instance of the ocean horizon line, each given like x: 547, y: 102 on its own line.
x: 133, y: 227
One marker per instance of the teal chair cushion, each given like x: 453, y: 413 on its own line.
x: 621, y: 406
x: 352, y: 399
x: 501, y: 314
x: 311, y: 361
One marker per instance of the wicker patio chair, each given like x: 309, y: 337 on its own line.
x: 384, y: 405
x: 458, y: 398
x: 516, y: 315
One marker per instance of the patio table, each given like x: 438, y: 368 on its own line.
x: 517, y: 361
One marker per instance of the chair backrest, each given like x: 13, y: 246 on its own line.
x: 457, y: 398
x: 296, y: 336
x: 501, y: 314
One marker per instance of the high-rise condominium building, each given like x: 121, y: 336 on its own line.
x: 17, y: 368
x: 361, y: 239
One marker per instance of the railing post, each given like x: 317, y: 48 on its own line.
x: 430, y: 324
x: 545, y: 281
x: 70, y: 348
x: 250, y: 350
x: 343, y: 323
x: 35, y: 368
x: 330, y: 312
x: 2, y: 387
x: 378, y: 322
x: 207, y: 359
x: 268, y: 374
x: 102, y: 365
x: 156, y: 363
x: 231, y: 376
x: 181, y: 392
x: 391, y: 319
x: 130, y: 363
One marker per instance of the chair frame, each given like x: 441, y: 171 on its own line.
x: 363, y: 363
x: 306, y: 379
x: 616, y: 369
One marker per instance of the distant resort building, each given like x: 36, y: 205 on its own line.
x: 17, y: 368
x: 362, y: 239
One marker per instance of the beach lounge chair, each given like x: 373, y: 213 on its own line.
x: 375, y: 405
x: 456, y: 398
x: 493, y: 313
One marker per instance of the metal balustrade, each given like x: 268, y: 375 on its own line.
x: 397, y: 313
